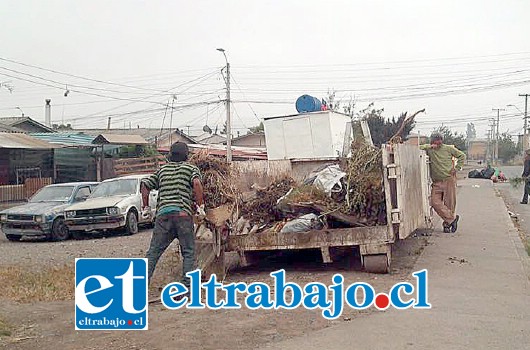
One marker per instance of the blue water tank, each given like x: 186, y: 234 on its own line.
x: 306, y: 103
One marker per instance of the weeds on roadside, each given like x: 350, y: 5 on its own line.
x: 25, y: 285
x: 5, y: 329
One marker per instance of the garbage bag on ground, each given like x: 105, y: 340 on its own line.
x: 304, y: 223
x: 474, y: 174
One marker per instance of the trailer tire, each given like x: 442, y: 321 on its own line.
x: 376, y: 263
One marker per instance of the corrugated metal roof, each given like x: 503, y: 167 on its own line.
x: 67, y: 139
x: 149, y: 134
x: 115, y: 139
x: 15, y: 140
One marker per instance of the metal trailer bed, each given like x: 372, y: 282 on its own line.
x: 407, y: 191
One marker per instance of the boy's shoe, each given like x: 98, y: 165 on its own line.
x: 454, y: 224
x: 523, y: 202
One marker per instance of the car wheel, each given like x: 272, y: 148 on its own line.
x: 14, y: 238
x: 131, y: 223
x: 59, y: 230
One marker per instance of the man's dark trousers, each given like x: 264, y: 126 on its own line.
x: 169, y: 227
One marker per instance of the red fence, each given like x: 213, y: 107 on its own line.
x: 17, y: 193
x: 146, y: 165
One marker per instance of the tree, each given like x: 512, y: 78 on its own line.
x: 507, y: 148
x: 471, y: 133
x: 62, y: 127
x: 255, y: 129
x: 383, y: 129
x: 452, y: 138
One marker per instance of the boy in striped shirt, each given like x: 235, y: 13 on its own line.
x: 180, y: 195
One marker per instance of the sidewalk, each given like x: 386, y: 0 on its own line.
x: 482, y: 303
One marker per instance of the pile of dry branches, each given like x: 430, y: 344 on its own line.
x: 262, y: 209
x: 217, y: 179
x: 364, y: 195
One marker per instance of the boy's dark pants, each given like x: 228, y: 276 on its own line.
x: 169, y: 227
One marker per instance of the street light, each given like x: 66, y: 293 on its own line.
x: 228, y: 126
x: 20, y: 110
x: 515, y: 108
x: 523, y: 143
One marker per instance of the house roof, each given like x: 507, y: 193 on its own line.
x: 149, y: 134
x: 115, y: 139
x: 210, y: 139
x: 248, y: 135
x: 220, y: 150
x: 23, y: 141
x: 7, y: 128
x: 14, y: 121
x: 67, y: 139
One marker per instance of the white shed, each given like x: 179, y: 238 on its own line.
x: 316, y: 135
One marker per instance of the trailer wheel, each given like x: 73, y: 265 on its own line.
x: 376, y: 263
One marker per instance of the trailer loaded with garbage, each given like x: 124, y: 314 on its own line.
x: 367, y: 201
x: 352, y: 195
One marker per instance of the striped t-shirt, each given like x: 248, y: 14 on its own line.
x: 174, y: 182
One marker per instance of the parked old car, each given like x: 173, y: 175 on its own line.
x: 115, y: 204
x: 43, y: 215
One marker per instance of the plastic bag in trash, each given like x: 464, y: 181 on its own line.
x: 304, y: 223
x: 329, y: 179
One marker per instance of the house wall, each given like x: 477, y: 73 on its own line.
x: 23, y: 160
x: 175, y: 137
x: 75, y: 164
x: 477, y: 150
x: 250, y: 141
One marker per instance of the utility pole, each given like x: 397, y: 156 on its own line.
x: 491, y: 133
x: 525, y: 132
x: 497, y: 134
x: 228, y: 125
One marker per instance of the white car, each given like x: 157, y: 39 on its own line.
x: 114, y: 204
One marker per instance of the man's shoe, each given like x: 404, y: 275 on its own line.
x: 454, y: 224
x: 523, y: 202
x: 447, y: 227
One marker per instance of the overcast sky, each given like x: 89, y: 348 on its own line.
x: 129, y: 59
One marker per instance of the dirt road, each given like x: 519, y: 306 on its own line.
x: 37, y: 300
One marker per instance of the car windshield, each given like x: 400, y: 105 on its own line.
x: 53, y: 194
x: 121, y: 187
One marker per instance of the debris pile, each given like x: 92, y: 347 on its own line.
x: 262, y: 209
x: 347, y: 195
x: 217, y: 179
x: 364, y: 195
x: 350, y: 194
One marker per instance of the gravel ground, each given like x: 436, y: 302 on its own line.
x: 39, y: 254
x: 49, y: 325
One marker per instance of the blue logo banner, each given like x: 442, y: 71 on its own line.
x: 111, y: 294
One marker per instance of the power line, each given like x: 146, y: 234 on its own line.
x: 77, y: 76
